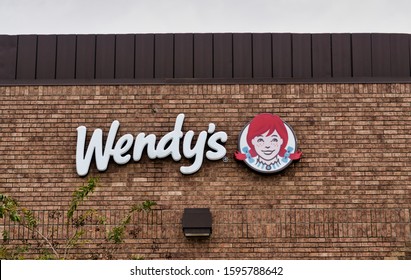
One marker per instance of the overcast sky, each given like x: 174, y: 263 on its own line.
x: 179, y: 16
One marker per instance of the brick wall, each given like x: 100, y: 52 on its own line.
x: 349, y: 196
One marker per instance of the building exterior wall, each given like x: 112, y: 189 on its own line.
x: 348, y: 197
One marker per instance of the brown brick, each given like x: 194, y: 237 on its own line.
x: 348, y: 197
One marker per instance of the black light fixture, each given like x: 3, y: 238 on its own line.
x: 197, y: 222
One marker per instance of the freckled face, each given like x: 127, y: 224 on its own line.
x: 267, y: 146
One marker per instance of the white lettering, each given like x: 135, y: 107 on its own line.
x: 94, y: 147
x: 168, y: 145
x: 197, y: 151
x: 123, y: 145
x: 141, y: 142
x: 213, y: 142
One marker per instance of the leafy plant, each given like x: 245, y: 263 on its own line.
x: 80, y: 194
x: 6, y: 235
x: 116, y: 235
x: 27, y: 219
x: 16, y: 254
x: 136, y: 257
x: 9, y: 206
x: 24, y: 217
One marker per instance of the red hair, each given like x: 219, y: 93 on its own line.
x: 263, y: 123
x: 259, y: 125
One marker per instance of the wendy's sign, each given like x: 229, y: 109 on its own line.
x: 208, y: 143
x: 267, y: 144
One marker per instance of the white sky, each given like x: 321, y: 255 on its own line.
x: 179, y: 16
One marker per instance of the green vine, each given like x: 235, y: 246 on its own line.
x: 27, y: 219
x: 116, y: 235
x: 80, y: 194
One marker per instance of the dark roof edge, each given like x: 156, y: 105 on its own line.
x: 194, y: 33
x: 198, y: 81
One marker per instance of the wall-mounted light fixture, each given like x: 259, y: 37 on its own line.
x: 197, y: 222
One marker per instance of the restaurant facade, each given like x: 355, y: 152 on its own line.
x: 169, y: 118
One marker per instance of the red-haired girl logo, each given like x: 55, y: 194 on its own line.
x: 267, y: 144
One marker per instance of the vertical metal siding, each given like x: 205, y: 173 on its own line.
x: 225, y: 57
x: 8, y: 56
x: 144, y: 56
x: 301, y: 51
x: 341, y: 55
x: 183, y: 56
x: 381, y: 49
x: 409, y: 50
x: 321, y: 56
x: 26, y: 57
x: 282, y: 56
x: 164, y: 56
x: 262, y: 56
x: 400, y: 55
x: 242, y: 56
x: 203, y: 56
x: 361, y: 55
x: 66, y: 57
x: 85, y: 58
x: 105, y: 56
x: 46, y: 56
x: 124, y: 57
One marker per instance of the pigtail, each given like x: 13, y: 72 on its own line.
x: 239, y: 156
x: 297, y: 155
x: 287, y: 154
x: 247, y: 154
